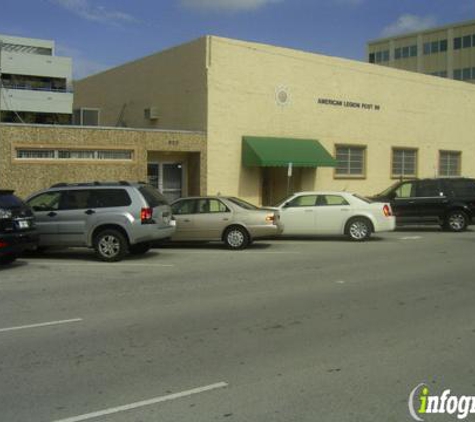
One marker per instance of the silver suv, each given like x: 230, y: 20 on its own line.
x: 113, y: 218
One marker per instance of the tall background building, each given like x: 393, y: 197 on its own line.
x: 35, y: 85
x: 447, y: 51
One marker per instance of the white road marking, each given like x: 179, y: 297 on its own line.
x: 144, y: 403
x: 42, y: 324
x: 410, y: 237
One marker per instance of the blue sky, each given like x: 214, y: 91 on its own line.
x: 99, y: 34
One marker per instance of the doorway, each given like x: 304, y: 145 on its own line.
x: 167, y: 178
x: 276, y: 185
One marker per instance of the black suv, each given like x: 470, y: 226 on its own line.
x: 17, y: 228
x: 449, y: 202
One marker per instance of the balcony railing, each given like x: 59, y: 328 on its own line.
x: 34, y: 88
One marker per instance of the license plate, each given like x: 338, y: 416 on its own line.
x: 23, y: 224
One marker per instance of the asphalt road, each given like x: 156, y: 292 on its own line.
x: 296, y: 330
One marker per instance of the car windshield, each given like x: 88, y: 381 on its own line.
x: 242, y: 204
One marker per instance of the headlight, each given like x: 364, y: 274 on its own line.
x: 5, y: 214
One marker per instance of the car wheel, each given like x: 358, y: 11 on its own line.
x: 456, y: 221
x: 236, y: 237
x: 110, y: 245
x: 140, y: 248
x: 7, y: 259
x: 359, y: 229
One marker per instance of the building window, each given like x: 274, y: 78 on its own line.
x: 426, y: 48
x: 465, y: 74
x: 73, y: 154
x: 435, y: 47
x: 404, y: 162
x: 440, y: 73
x: 379, y: 56
x: 397, y: 53
x: 457, y: 43
x: 350, y: 161
x: 413, y: 51
x: 467, y: 41
x: 450, y: 163
x: 405, y: 52
x: 35, y: 154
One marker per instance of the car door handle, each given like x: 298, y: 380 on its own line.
x: 225, y: 219
x: 89, y: 212
x: 52, y: 214
x: 186, y: 220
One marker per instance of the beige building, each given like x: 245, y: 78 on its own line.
x: 256, y: 113
x: 447, y: 51
x: 379, y: 123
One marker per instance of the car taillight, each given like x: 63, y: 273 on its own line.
x: 3, y: 244
x: 387, y: 211
x: 146, y: 215
x: 270, y: 218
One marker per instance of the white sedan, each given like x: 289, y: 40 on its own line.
x: 334, y: 213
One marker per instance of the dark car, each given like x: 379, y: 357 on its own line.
x: 449, y: 202
x: 17, y: 227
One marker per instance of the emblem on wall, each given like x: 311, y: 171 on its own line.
x: 282, y: 96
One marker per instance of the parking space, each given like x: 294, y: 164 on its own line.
x: 291, y: 327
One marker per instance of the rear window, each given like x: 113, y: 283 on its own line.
x: 242, y: 204
x: 462, y: 187
x: 153, y: 197
x: 105, y: 198
x: 8, y: 200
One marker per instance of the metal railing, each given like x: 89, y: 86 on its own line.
x: 6, y: 85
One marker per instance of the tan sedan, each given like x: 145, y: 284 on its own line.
x: 223, y: 218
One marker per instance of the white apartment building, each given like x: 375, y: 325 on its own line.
x: 35, y: 85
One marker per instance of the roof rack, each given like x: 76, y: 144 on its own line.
x: 95, y: 183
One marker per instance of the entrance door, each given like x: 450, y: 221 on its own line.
x: 167, y: 178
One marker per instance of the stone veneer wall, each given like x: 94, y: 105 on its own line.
x: 28, y: 176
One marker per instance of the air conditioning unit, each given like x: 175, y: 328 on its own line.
x: 151, y: 113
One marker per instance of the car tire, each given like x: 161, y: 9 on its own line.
x: 140, y: 248
x: 456, y: 221
x: 111, y: 245
x: 359, y: 229
x: 7, y: 259
x: 236, y: 237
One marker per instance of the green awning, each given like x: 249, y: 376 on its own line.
x: 279, y: 152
